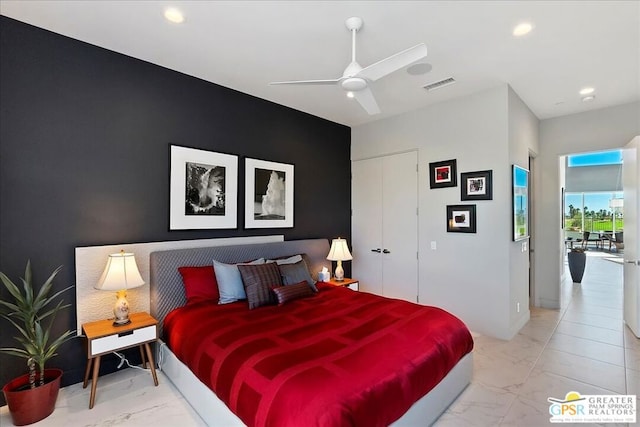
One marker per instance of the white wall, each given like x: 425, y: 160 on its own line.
x: 468, y: 274
x: 595, y: 130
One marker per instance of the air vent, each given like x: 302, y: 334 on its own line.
x: 439, y: 84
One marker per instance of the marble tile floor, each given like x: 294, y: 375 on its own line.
x: 582, y: 347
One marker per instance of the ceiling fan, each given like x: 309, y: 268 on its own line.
x: 355, y: 79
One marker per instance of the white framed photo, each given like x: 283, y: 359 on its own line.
x: 203, y: 189
x: 268, y: 194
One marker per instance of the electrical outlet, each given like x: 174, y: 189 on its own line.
x: 433, y: 245
x: 524, y: 246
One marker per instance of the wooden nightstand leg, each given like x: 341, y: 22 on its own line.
x: 151, y: 363
x: 144, y: 358
x: 86, y: 373
x: 94, y: 381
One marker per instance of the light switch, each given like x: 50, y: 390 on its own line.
x: 433, y: 245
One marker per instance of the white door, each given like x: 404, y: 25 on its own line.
x: 400, y: 226
x: 384, y: 225
x: 630, y: 179
x: 366, y: 224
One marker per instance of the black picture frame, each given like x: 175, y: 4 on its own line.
x: 203, y: 189
x: 520, y: 200
x: 476, y: 185
x: 443, y: 174
x: 461, y: 218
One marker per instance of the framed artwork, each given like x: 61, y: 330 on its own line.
x: 443, y: 174
x: 476, y: 185
x: 203, y: 189
x: 520, y: 194
x: 268, y: 194
x: 461, y: 218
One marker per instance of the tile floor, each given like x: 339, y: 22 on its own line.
x: 582, y: 347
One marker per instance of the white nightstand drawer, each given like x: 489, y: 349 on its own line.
x: 122, y: 340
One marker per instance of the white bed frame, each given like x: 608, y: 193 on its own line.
x: 167, y: 293
x: 215, y: 413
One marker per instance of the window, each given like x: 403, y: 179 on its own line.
x: 613, y: 157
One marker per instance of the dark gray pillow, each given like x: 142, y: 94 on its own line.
x: 296, y: 273
x: 258, y: 280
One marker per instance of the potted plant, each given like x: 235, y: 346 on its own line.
x: 32, y: 397
x: 577, y: 261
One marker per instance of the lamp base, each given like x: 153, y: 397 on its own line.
x: 121, y: 322
x: 339, y: 274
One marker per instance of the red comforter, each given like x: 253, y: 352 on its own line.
x: 339, y: 358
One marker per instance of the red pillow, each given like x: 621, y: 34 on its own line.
x: 199, y: 283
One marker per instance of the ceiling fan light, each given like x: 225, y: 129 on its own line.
x: 350, y: 94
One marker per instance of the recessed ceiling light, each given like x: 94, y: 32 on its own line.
x: 588, y: 98
x: 174, y: 15
x: 522, y: 29
x: 586, y: 91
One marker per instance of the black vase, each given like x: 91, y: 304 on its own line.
x: 577, y: 262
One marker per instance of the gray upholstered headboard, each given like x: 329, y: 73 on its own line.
x: 167, y: 291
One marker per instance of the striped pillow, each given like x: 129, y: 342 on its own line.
x: 258, y: 281
x: 292, y: 292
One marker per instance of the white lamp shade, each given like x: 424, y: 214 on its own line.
x: 120, y: 273
x: 339, y: 251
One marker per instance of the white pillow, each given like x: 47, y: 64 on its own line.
x: 291, y: 260
x: 230, y: 282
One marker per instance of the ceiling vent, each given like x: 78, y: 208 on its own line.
x: 439, y: 84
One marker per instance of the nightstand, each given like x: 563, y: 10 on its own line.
x: 347, y: 283
x: 103, y: 337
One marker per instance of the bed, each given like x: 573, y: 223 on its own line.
x: 334, y: 358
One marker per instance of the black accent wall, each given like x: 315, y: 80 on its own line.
x: 84, y: 159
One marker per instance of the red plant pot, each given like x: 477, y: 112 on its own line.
x: 32, y: 404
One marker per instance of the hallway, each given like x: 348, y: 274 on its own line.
x: 583, y: 347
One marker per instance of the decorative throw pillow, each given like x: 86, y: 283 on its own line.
x: 292, y: 292
x: 199, y: 283
x: 288, y: 260
x: 296, y: 273
x: 258, y: 281
x: 230, y: 282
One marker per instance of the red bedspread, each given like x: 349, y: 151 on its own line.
x: 339, y: 358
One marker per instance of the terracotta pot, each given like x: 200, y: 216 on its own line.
x: 577, y: 262
x: 32, y: 404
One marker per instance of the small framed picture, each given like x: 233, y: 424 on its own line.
x: 461, y: 218
x: 443, y: 174
x: 476, y: 185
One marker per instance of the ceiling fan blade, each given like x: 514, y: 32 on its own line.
x: 393, y: 63
x: 307, y: 82
x: 367, y: 101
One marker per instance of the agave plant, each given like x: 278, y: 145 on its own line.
x: 27, y: 312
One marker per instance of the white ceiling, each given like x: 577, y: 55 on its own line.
x: 244, y: 45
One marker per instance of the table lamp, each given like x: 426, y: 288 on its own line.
x: 339, y: 252
x: 120, y: 274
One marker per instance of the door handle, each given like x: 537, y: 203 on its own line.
x: 377, y: 250
x: 386, y: 251
x: 636, y: 262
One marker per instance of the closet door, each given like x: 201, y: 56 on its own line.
x: 400, y: 226
x: 384, y: 225
x: 366, y: 224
